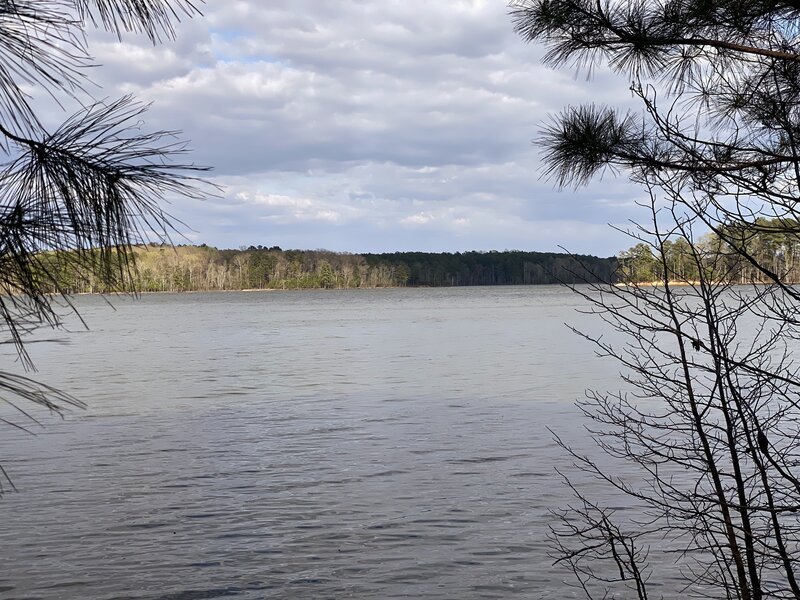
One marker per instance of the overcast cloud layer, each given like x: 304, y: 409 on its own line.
x: 368, y: 125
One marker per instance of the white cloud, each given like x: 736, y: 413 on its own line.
x: 275, y: 200
x: 418, y: 219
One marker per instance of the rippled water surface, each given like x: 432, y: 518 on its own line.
x: 360, y: 444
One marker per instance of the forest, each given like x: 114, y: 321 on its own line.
x: 165, y: 268
x: 772, y: 244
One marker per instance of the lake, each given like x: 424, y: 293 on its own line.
x: 315, y: 444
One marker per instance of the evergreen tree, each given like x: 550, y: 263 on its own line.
x: 76, y: 197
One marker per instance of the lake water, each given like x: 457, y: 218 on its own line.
x: 348, y: 444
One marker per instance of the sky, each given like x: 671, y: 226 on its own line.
x: 369, y: 126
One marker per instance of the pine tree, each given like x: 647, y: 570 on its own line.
x: 83, y: 192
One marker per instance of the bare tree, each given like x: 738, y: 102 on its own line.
x: 86, y: 191
x: 703, y: 439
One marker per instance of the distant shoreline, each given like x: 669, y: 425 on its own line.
x: 317, y: 289
x: 620, y: 284
x: 656, y: 283
x: 201, y: 268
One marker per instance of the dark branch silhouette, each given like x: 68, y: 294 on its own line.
x: 84, y: 193
x: 701, y: 446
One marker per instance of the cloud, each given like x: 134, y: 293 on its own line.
x: 368, y: 125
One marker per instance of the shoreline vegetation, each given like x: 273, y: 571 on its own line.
x: 187, y: 268
x: 184, y: 268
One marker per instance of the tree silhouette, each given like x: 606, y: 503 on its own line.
x: 86, y: 191
x: 702, y: 440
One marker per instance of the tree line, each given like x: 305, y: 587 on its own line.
x: 760, y: 251
x: 164, y: 268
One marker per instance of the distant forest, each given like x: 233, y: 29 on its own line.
x: 772, y: 243
x: 163, y: 268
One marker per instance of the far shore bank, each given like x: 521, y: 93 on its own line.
x: 657, y: 283
x: 305, y: 289
x: 621, y: 284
